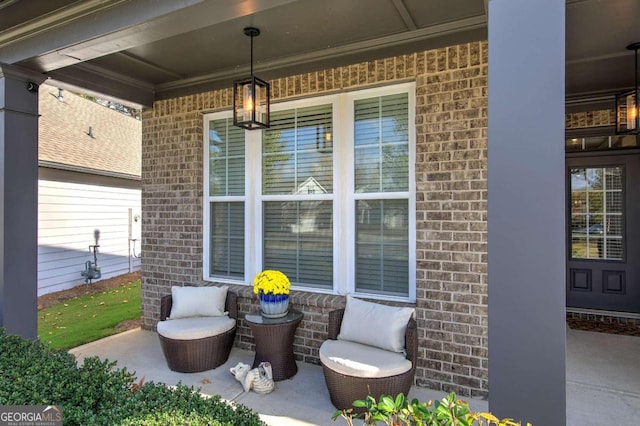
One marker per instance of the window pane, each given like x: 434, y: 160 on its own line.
x: 614, y: 225
x: 597, y: 143
x: 613, y: 175
x: 624, y: 141
x: 227, y: 239
x: 395, y: 168
x: 226, y: 158
x: 382, y: 246
x: 381, y: 144
x: 298, y: 240
x: 596, y: 213
x: 595, y: 248
x: 367, y: 169
x: 578, y: 247
x: 298, y: 151
x: 594, y: 178
x: 595, y: 202
x: 579, y: 201
x: 614, y: 248
x: 614, y: 202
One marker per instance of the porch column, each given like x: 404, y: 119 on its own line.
x: 526, y: 210
x: 18, y: 201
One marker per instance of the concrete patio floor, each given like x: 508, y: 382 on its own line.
x: 603, y: 380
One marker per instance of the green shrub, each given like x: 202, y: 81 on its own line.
x: 98, y: 393
x: 172, y: 419
x: 450, y: 411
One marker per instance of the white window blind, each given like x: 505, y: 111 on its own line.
x: 297, y: 182
x: 226, y: 151
x: 381, y: 145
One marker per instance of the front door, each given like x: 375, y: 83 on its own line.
x: 603, y: 268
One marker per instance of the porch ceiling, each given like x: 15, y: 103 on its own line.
x: 143, y: 50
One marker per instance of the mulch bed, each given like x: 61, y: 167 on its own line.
x: 604, y: 327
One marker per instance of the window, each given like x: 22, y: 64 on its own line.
x: 297, y: 188
x: 596, y: 213
x: 381, y: 145
x: 226, y: 191
x: 598, y: 143
x: 326, y: 195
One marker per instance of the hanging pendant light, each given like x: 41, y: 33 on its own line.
x: 251, y: 97
x: 627, y: 119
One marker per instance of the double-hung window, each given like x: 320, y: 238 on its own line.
x: 225, y: 199
x: 382, y: 196
x: 326, y: 194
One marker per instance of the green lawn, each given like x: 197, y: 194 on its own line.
x: 88, y: 318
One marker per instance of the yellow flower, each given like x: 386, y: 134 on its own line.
x: 271, y: 282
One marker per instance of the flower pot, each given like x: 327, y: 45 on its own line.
x: 274, y: 305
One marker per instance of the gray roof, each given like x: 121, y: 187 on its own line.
x: 64, y: 141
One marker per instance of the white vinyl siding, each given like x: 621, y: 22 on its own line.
x: 330, y: 194
x: 68, y: 215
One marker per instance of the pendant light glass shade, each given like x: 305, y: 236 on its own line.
x: 627, y: 119
x: 251, y: 97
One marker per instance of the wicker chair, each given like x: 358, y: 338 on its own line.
x: 195, y: 355
x: 343, y: 389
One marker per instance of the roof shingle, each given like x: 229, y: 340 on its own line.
x: 115, y: 144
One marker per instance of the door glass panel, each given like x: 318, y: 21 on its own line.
x: 596, y: 213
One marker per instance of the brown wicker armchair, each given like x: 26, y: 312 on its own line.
x: 344, y: 389
x: 195, y: 355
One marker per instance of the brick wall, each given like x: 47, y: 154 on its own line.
x: 451, y: 160
x: 451, y: 176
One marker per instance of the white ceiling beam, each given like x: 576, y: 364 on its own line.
x: 133, y: 58
x: 104, y: 83
x: 405, y: 14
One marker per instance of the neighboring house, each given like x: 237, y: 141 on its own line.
x: 306, y: 216
x: 89, y: 180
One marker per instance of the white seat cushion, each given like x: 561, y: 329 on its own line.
x: 195, y: 327
x: 356, y: 359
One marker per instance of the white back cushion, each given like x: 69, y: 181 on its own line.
x: 198, y: 301
x: 374, y: 324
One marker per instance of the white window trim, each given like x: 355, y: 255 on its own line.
x: 343, y: 196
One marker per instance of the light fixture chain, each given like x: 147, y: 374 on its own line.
x: 251, y: 66
x: 636, y: 101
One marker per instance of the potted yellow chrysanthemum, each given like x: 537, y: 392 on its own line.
x: 272, y: 288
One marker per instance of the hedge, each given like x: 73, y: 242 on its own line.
x: 99, y: 393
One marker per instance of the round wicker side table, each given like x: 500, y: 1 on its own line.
x: 274, y: 342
